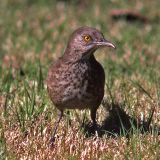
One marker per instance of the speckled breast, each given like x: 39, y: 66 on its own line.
x: 79, y: 85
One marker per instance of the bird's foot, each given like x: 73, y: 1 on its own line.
x: 91, y: 129
x: 52, y: 141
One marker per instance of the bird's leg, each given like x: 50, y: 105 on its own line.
x: 93, y: 117
x: 68, y: 118
x: 94, y: 128
x: 56, y: 126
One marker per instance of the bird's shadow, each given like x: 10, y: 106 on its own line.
x: 118, y: 123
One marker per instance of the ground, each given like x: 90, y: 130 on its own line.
x: 33, y: 34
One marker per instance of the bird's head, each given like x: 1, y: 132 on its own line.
x: 84, y: 41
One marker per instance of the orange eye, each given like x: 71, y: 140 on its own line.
x: 87, y: 38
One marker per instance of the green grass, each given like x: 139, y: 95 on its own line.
x: 32, y: 35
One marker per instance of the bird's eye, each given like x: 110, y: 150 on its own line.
x: 87, y: 38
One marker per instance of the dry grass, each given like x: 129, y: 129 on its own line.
x: 29, y: 44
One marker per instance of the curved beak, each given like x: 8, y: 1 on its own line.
x: 105, y: 43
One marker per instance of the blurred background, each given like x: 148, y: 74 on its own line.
x: 35, y: 33
x: 33, y: 30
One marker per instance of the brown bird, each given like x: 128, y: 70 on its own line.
x: 76, y: 80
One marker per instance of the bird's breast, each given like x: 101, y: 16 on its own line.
x: 78, y: 86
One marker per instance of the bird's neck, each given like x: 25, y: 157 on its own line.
x: 76, y: 56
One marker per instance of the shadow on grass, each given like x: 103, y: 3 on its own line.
x: 119, y: 123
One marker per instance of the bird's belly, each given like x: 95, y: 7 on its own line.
x: 84, y: 96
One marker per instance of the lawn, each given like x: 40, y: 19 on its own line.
x: 33, y: 34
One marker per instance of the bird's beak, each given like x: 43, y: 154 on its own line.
x: 105, y: 43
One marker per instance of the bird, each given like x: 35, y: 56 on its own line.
x: 77, y: 80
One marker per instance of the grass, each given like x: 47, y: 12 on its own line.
x: 32, y: 35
